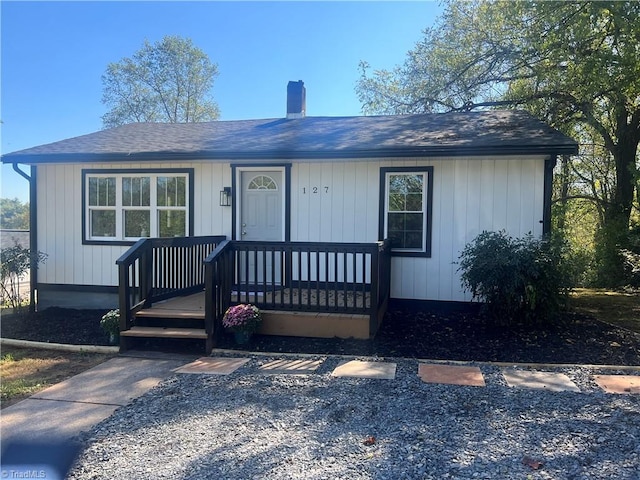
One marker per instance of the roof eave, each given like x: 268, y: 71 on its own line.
x: 427, y: 151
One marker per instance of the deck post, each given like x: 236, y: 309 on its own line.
x: 375, y: 284
x: 124, y: 303
x: 146, y: 272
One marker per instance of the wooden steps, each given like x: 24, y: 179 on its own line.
x: 165, y: 332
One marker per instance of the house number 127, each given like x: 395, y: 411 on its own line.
x: 314, y: 190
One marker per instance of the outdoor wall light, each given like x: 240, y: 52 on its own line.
x: 225, y: 197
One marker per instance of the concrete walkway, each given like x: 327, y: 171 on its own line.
x: 68, y: 408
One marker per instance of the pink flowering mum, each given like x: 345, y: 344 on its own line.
x: 243, y: 317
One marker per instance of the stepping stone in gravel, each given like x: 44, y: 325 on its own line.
x: 213, y: 365
x: 295, y: 367
x: 360, y: 369
x: 554, y: 382
x: 618, y: 383
x: 451, y: 375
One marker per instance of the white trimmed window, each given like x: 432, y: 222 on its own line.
x: 407, y: 201
x: 129, y: 206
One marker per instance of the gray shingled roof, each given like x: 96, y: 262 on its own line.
x: 464, y: 133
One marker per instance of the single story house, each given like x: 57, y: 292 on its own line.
x: 425, y: 183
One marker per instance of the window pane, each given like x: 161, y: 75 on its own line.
x: 93, y: 191
x: 172, y: 223
x: 405, y: 193
x: 413, y: 221
x: 172, y: 191
x: 103, y: 223
x: 405, y: 184
x: 413, y: 240
x: 396, y: 239
x: 136, y: 191
x: 414, y: 202
x: 396, y: 202
x: 102, y: 191
x: 405, y: 230
x: 137, y: 223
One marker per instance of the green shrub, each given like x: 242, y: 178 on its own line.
x: 517, y: 278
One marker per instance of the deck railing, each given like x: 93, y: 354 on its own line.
x: 301, y: 276
x: 155, y: 269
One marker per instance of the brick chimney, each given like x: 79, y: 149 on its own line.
x: 296, y: 99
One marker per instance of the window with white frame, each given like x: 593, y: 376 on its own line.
x: 126, y: 206
x: 406, y: 198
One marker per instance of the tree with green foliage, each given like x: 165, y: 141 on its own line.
x: 15, y: 262
x: 14, y: 214
x: 574, y: 64
x: 168, y: 81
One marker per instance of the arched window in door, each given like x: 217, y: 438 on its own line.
x: 262, y: 182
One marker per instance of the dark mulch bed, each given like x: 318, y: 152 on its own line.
x: 407, y: 331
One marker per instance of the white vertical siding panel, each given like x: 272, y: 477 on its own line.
x: 349, y: 210
x: 224, y: 224
x: 398, y: 288
x: 514, y: 196
x: 486, y: 183
x: 295, y: 207
x: 58, y: 227
x: 203, y: 175
x: 431, y: 269
x: 324, y: 194
x: 209, y: 217
x: 337, y: 195
x: 527, y: 214
x: 500, y: 195
x: 314, y: 195
x: 67, y: 212
x: 371, y: 210
x: 445, y: 229
x: 44, y: 234
x: 360, y: 201
x: 302, y: 203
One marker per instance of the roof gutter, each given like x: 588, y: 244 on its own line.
x: 292, y: 154
x: 33, y: 233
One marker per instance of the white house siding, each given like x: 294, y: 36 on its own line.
x: 70, y: 262
x: 331, y: 201
x: 469, y: 195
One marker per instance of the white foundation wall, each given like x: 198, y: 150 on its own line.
x: 331, y: 201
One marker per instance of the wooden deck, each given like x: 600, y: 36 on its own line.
x: 192, y: 306
x: 276, y: 321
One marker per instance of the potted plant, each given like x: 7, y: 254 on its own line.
x: 243, y: 320
x: 110, y: 323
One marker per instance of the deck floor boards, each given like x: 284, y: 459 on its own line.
x: 192, y: 306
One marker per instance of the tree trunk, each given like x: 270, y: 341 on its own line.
x: 614, y: 235
x: 564, y: 192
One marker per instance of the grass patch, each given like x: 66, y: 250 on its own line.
x: 26, y: 371
x: 617, y: 308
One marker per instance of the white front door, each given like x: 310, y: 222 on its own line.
x: 261, y: 219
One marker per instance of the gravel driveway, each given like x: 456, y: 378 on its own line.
x: 249, y: 425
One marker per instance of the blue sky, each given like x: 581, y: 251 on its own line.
x: 54, y: 54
